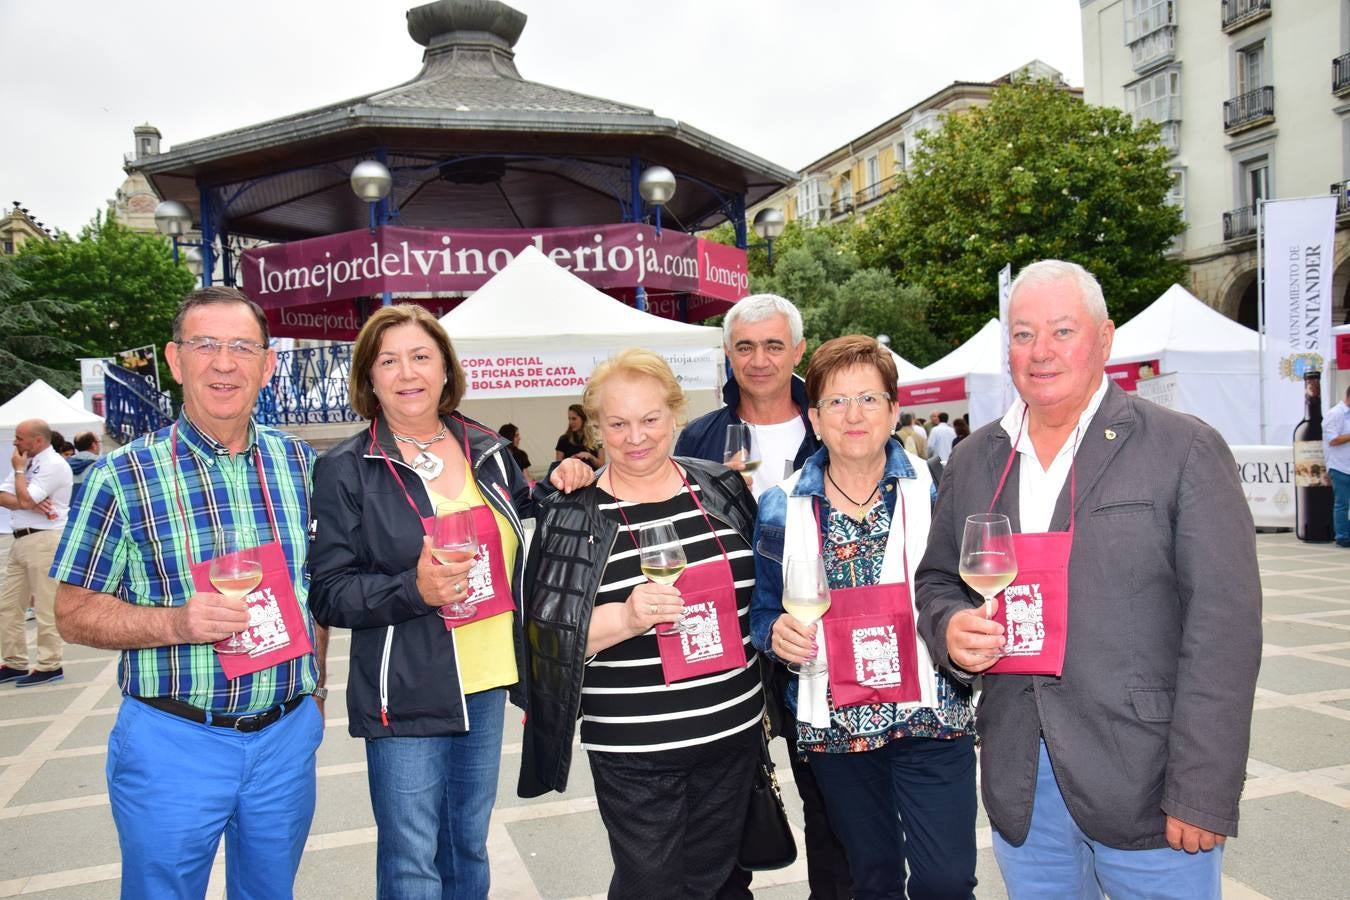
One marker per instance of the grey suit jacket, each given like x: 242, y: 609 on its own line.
x: 1153, y: 711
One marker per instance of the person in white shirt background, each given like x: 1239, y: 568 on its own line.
x: 941, y: 439
x: 1336, y: 436
x: 37, y: 494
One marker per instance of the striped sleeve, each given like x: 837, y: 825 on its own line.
x: 92, y: 553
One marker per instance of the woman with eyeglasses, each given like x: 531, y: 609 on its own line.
x: 889, y: 738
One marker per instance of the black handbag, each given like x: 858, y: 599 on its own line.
x: 766, y: 840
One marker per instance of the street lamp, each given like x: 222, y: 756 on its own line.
x: 657, y: 186
x: 173, y: 220
x: 194, y: 262
x: 371, y: 182
x: 769, y: 224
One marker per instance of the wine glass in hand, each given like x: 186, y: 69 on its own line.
x: 742, y: 451
x: 988, y: 562
x: 454, y: 540
x: 661, y: 557
x: 806, y: 597
x: 235, y: 571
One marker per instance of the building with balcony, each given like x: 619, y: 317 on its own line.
x: 18, y: 226
x: 853, y: 177
x: 1249, y: 111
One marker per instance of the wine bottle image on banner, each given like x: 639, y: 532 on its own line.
x: 1312, y: 481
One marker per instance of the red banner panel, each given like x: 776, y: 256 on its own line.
x: 945, y: 390
x: 1127, y: 375
x: 1343, y: 352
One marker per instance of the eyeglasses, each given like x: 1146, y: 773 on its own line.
x: 872, y: 401
x: 208, y: 347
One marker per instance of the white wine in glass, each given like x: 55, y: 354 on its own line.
x: 806, y: 597
x: 741, y: 450
x: 454, y: 540
x: 235, y: 571
x: 988, y: 562
x: 661, y: 557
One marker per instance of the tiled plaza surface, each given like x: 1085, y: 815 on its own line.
x: 57, y: 837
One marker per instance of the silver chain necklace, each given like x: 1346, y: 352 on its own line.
x: 426, y: 464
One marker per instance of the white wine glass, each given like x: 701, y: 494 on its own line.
x: 742, y: 450
x: 988, y: 562
x: 454, y: 540
x: 661, y: 556
x: 235, y: 571
x: 806, y: 597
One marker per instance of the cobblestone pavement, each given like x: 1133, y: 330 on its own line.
x: 57, y: 837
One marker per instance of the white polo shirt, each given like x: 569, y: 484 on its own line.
x: 1039, y: 489
x: 48, y: 476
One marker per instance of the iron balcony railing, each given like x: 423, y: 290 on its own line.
x: 132, y: 406
x: 1249, y: 109
x: 309, y: 387
x: 1239, y: 223
x: 1340, y: 74
x: 1237, y: 13
x: 1341, y: 190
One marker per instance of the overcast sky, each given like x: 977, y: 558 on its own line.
x: 788, y: 80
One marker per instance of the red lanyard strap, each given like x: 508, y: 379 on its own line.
x: 697, y: 503
x: 904, y: 530
x: 392, y: 471
x: 178, y: 500
x: 1073, y: 465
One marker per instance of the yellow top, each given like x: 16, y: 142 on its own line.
x: 485, y: 652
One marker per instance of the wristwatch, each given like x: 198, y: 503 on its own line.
x: 320, y: 692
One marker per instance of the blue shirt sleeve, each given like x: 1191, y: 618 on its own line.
x: 92, y: 553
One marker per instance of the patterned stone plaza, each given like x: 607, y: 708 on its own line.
x: 57, y: 838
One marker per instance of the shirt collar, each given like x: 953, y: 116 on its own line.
x: 811, y: 481
x: 202, y: 444
x: 1012, y: 421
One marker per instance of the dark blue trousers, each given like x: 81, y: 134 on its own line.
x: 909, y: 804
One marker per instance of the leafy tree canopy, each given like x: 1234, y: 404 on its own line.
x: 29, y: 331
x: 1036, y: 174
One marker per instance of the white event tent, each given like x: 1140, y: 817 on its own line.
x: 39, y: 401
x: 530, y: 337
x: 1215, y: 359
x: 969, y: 380
x: 904, y: 369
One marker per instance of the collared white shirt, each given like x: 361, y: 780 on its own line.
x: 778, y: 445
x: 941, y: 440
x: 1335, y: 424
x: 1039, y: 489
x: 48, y: 475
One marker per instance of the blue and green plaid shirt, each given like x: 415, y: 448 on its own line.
x: 126, y: 537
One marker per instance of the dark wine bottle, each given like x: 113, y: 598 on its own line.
x: 1312, y: 481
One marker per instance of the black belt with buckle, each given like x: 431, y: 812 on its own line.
x: 246, y: 723
x: 25, y: 532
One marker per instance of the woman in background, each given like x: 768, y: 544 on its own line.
x: 576, y: 442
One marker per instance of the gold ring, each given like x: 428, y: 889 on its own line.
x: 652, y: 608
x: 459, y: 587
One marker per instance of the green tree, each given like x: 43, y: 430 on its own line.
x: 870, y: 302
x: 1035, y: 174
x: 121, y: 288
x: 29, y: 333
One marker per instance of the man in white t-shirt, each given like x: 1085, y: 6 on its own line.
x: 37, y: 494
x: 941, y: 439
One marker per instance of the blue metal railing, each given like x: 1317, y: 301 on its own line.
x: 309, y: 387
x: 132, y: 405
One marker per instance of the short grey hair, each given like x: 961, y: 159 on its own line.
x: 1049, y: 271
x: 757, y: 308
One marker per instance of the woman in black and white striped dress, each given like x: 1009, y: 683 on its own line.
x: 669, y: 723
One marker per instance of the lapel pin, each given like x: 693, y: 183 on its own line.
x: 1110, y: 435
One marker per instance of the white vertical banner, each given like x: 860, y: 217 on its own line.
x: 1299, y: 247
x: 1004, y: 296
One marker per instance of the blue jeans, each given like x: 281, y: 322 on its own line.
x: 176, y: 786
x: 908, y: 803
x: 1058, y: 860
x: 432, y: 798
x: 1340, y: 509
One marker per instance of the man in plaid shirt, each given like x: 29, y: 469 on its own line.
x: 195, y: 753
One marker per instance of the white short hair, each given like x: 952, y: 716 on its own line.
x: 757, y: 308
x: 1048, y: 271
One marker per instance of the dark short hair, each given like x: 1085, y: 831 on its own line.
x: 844, y: 353
x: 508, y: 431
x: 85, y: 441
x: 906, y: 420
x: 942, y: 417
x: 360, y: 390
x: 215, y: 294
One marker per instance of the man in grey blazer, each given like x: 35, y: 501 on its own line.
x: 1122, y: 774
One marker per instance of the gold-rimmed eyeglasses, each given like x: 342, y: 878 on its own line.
x: 872, y: 401
x: 209, y: 346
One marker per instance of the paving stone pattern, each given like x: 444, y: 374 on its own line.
x: 57, y: 839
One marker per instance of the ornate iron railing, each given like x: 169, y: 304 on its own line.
x: 309, y: 387
x: 1249, y: 108
x: 1340, y: 74
x: 1237, y: 13
x: 132, y: 405
x: 1239, y: 223
x: 1341, y: 190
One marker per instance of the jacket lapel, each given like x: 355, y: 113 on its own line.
x: 1095, y: 452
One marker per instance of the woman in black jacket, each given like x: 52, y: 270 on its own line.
x: 670, y: 723
x: 427, y: 693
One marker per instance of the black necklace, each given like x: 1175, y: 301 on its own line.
x: 866, y: 500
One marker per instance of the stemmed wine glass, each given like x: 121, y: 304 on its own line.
x: 741, y: 448
x: 988, y: 562
x: 662, y: 559
x: 235, y: 571
x: 453, y: 540
x: 806, y: 597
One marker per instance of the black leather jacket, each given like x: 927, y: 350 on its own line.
x: 363, y: 576
x: 572, y: 542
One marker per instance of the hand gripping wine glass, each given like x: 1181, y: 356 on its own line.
x: 661, y: 557
x: 806, y: 597
x: 741, y: 448
x: 235, y: 571
x: 453, y: 540
x: 988, y: 561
